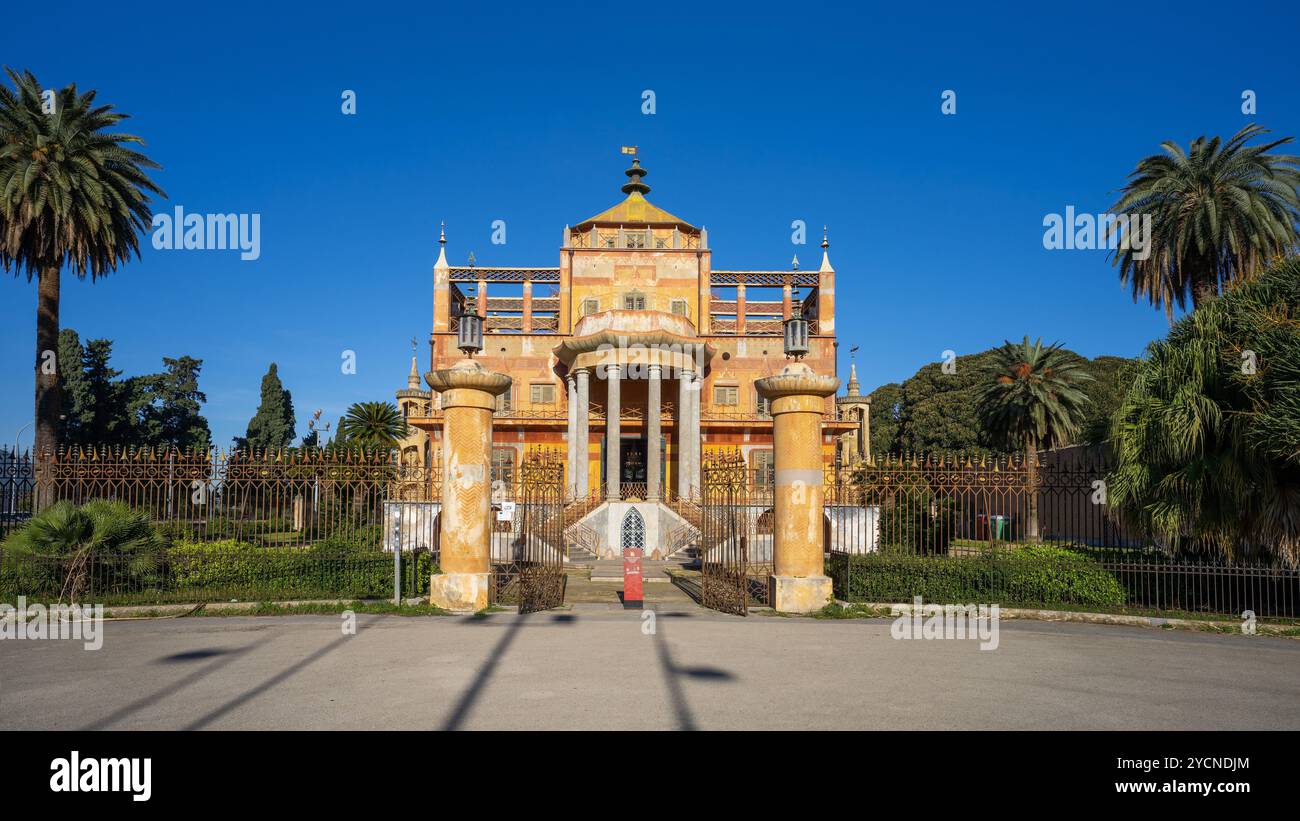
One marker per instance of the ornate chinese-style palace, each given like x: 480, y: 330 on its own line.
x: 634, y: 358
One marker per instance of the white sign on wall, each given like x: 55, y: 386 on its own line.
x: 507, y: 512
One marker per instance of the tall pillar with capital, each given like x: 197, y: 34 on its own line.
x: 653, y: 432
x: 583, y: 433
x: 571, y: 472
x: 613, y: 374
x: 469, y: 394
x: 798, y: 399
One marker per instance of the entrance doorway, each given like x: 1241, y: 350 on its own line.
x: 633, y: 458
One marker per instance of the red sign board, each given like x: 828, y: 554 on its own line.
x: 632, y: 575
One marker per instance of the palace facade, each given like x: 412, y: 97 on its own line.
x: 634, y: 358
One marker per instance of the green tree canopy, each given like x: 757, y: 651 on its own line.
x: 101, y: 409
x: 171, y: 416
x: 372, y: 425
x: 936, y: 411
x: 1207, y: 440
x: 273, y: 424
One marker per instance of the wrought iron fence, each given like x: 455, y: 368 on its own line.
x: 301, y: 523
x: 17, y: 490
x: 527, y: 521
x: 998, y: 530
x: 736, y: 535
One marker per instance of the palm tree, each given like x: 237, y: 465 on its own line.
x: 372, y: 425
x: 71, y: 195
x: 1220, y: 213
x: 1033, y: 401
x: 70, y: 547
x: 1207, y: 438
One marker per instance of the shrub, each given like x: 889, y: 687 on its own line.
x: 93, y: 549
x: 1029, y: 575
x: 231, y: 569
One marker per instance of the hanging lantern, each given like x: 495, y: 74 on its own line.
x: 469, y: 336
x: 796, y: 331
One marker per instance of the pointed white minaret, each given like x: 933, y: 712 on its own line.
x: 855, y: 389
x: 442, y: 286
x: 826, y: 290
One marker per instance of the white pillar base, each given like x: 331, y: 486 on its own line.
x: 459, y: 592
x: 799, y: 594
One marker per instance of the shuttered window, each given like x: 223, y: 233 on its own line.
x: 542, y: 394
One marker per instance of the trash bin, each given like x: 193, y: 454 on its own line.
x: 1001, y: 525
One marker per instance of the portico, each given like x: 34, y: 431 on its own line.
x: 628, y: 356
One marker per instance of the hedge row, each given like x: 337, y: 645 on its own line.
x: 223, y: 570
x: 1029, y: 575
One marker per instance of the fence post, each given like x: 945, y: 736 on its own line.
x: 797, y: 394
x: 397, y: 555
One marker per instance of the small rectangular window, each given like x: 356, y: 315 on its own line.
x: 503, y: 465
x: 725, y: 394
x: 763, y: 406
x: 764, y: 468
x: 590, y: 306
x: 679, y: 307
x: 634, y: 302
x: 503, y: 401
x: 542, y: 394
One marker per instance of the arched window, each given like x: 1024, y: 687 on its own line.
x: 633, y: 530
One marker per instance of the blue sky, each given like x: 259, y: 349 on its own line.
x: 477, y: 112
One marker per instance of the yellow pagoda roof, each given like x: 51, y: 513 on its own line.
x: 636, y: 209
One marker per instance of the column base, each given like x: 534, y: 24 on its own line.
x: 459, y: 592
x: 799, y: 594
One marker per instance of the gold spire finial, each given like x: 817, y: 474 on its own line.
x: 825, y: 242
x: 795, y: 262
x: 442, y: 233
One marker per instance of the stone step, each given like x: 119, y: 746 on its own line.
x: 611, y: 570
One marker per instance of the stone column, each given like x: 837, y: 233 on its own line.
x: 469, y: 394
x: 682, y: 438
x: 571, y: 472
x: 613, y: 373
x: 797, y: 394
x: 653, y: 432
x: 693, y: 436
x: 584, y: 434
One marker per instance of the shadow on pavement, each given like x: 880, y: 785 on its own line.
x: 673, y: 676
x: 275, y: 680
x: 222, y: 658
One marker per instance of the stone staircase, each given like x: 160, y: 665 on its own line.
x: 583, y: 543
x: 683, y: 541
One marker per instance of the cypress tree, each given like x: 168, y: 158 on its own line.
x: 273, y: 424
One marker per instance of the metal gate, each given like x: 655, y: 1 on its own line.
x: 527, y: 526
x: 735, y: 534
